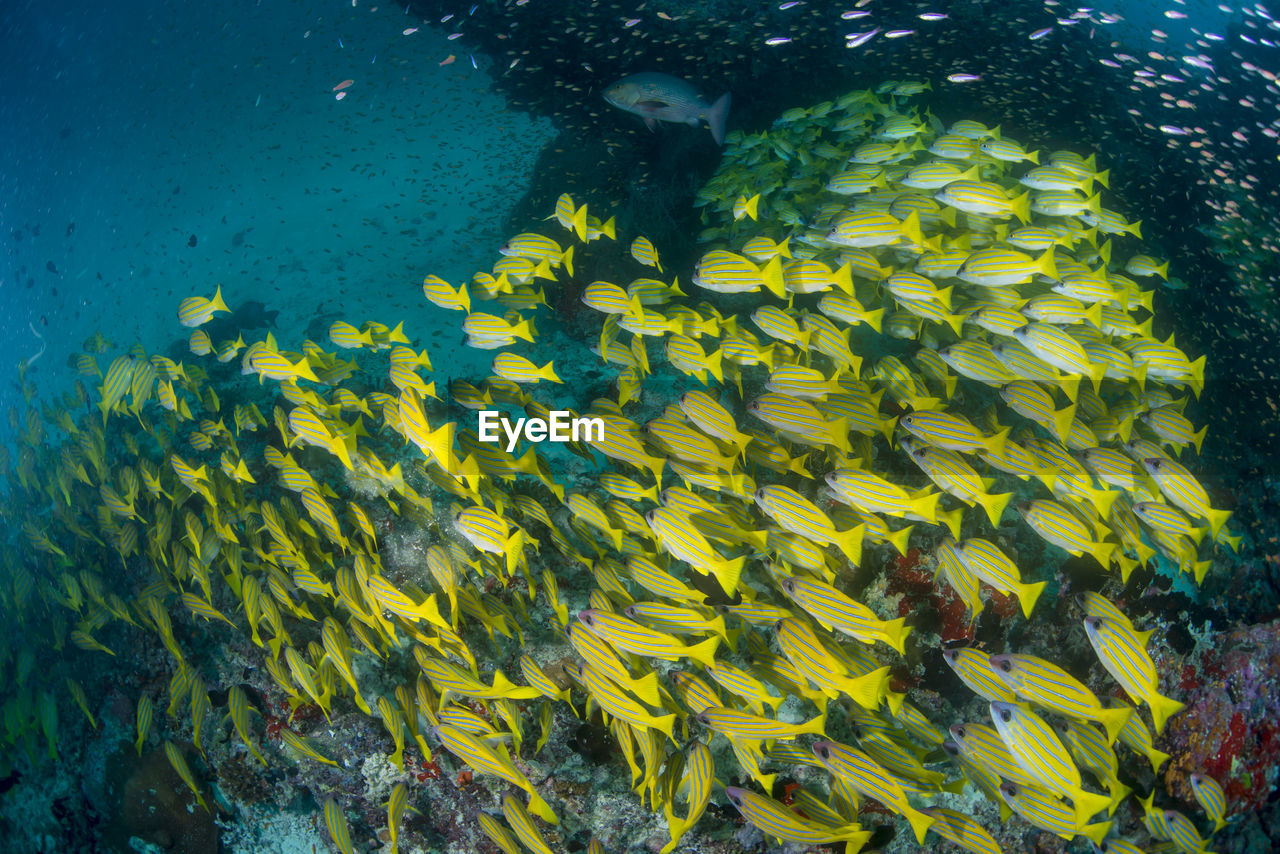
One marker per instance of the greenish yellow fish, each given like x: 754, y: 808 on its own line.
x: 482, y: 758
x: 336, y: 820
x: 777, y: 821
x: 179, y: 763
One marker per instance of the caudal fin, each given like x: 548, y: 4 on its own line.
x: 1162, y: 708
x: 920, y: 822
x: 717, y: 116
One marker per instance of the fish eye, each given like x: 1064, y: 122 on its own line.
x: 960, y: 731
x: 820, y: 750
x: 1006, y: 715
x: 1006, y: 666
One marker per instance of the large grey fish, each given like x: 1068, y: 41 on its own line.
x: 657, y: 97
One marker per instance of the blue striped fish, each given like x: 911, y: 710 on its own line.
x: 801, y: 516
x: 777, y: 323
x: 975, y: 670
x: 612, y: 700
x: 868, y: 491
x: 1183, y: 833
x: 630, y: 636
x: 604, y: 661
x: 710, y: 416
x: 677, y: 535
x: 348, y: 337
x: 870, y: 779
x: 1095, y: 754
x: 499, y: 834
x: 950, y: 471
x: 834, y: 610
x: 952, y: 432
x: 806, y: 652
x: 1037, y: 748
x: 777, y: 821
x: 832, y: 341
x: 520, y: 820
x: 1182, y: 489
x: 729, y: 273
x: 694, y: 692
x: 985, y: 560
x: 1039, y: 806
x: 114, y: 385
x: 1056, y: 347
x: 480, y: 757
x: 1050, y: 687
x: 745, y: 725
x: 998, y: 266
x: 847, y: 309
x: 982, y: 746
x: 1058, y: 525
x: 744, y: 685
x: 1122, y: 652
x: 610, y: 299
x: 962, y: 830
x: 699, y: 775
x: 440, y: 293
x: 986, y: 199
x: 196, y: 310
x: 1208, y: 793
x: 866, y: 228
x: 801, y: 419
x: 336, y: 820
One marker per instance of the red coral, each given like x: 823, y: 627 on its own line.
x: 429, y: 771
x: 1229, y: 746
x: 918, y: 589
x: 1228, y: 729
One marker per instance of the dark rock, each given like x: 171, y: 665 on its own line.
x: 148, y: 799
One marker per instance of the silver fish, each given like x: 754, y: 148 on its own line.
x: 657, y: 97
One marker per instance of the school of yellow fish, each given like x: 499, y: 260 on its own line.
x: 942, y: 296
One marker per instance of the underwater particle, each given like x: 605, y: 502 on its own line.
x: 191, y: 241
x: 343, y: 85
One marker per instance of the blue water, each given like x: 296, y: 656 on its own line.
x: 316, y: 159
x: 134, y: 129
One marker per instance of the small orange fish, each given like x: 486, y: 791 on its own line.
x: 344, y: 84
x: 448, y: 60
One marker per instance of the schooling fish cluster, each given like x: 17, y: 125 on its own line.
x: 925, y: 295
